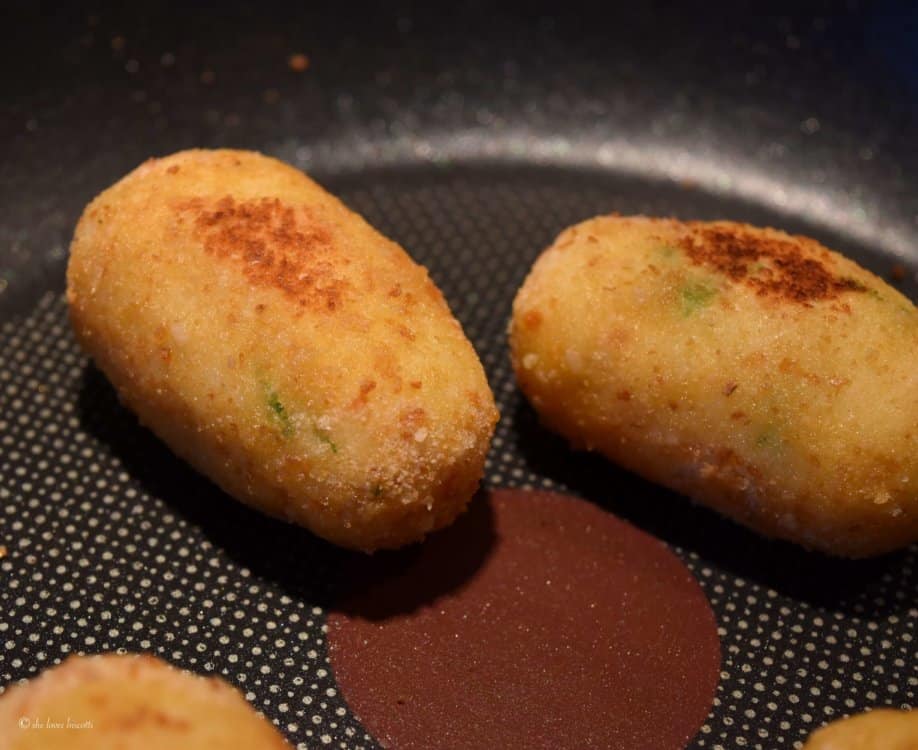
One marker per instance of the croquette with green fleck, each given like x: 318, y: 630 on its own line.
x: 757, y: 372
x: 282, y: 346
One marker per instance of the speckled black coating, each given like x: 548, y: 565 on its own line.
x: 472, y: 136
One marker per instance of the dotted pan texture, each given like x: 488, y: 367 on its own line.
x: 114, y: 544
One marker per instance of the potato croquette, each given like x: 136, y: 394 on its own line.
x: 282, y: 346
x: 757, y: 372
x: 882, y: 729
x: 112, y: 702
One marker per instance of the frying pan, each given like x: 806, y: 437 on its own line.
x: 472, y: 135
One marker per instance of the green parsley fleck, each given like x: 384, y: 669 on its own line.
x: 769, y: 438
x: 696, y: 295
x: 279, y: 413
x: 324, y: 437
x: 667, y: 251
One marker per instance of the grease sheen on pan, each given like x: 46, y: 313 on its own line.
x: 131, y: 702
x: 757, y: 372
x: 282, y: 346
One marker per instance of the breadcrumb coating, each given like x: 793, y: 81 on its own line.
x: 282, y: 346
x: 132, y: 702
x: 757, y: 372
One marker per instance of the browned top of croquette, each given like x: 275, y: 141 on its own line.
x: 276, y: 244
x: 786, y: 267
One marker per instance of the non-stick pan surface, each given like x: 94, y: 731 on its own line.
x: 472, y: 135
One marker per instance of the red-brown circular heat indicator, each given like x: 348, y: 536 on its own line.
x: 537, y: 621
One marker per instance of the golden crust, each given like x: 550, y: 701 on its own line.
x: 757, y: 372
x: 880, y: 729
x: 129, y: 703
x: 282, y: 346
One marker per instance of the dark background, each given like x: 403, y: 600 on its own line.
x: 471, y: 134
x: 819, y: 96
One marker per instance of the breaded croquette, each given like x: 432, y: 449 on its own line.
x: 881, y: 729
x: 757, y: 372
x: 282, y: 346
x: 112, y: 702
